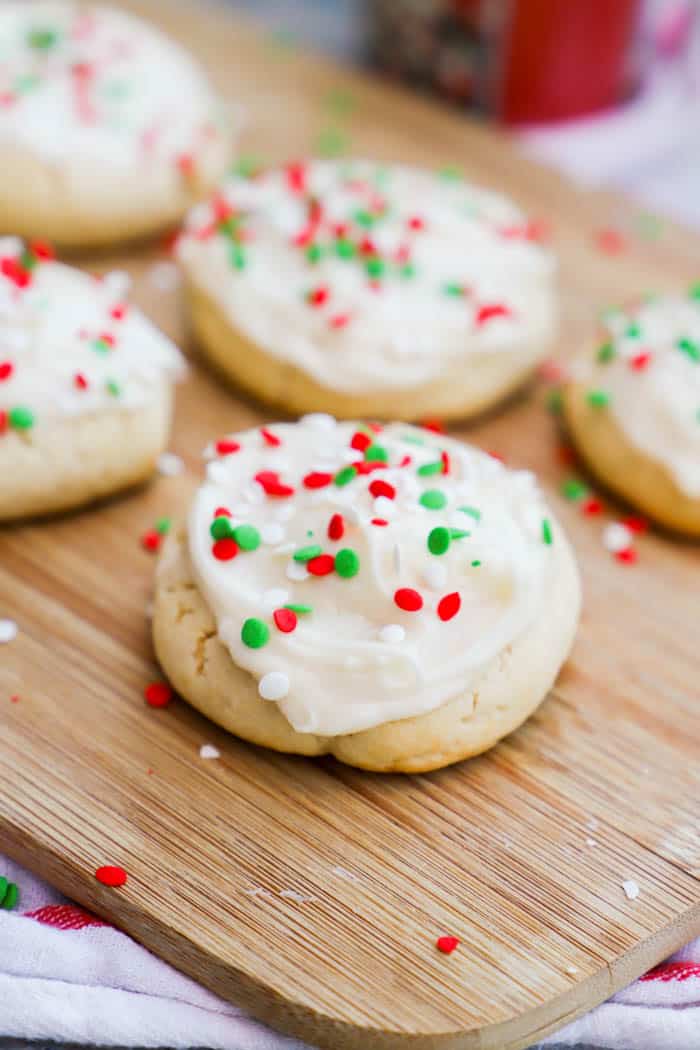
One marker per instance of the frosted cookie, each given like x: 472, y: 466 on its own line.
x: 633, y: 408
x: 85, y: 385
x: 389, y: 596
x: 108, y: 129
x: 365, y: 290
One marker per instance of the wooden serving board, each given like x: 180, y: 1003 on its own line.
x: 310, y: 893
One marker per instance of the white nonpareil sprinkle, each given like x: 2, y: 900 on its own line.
x: 273, y: 686
x: 616, y: 537
x: 272, y: 532
x: 209, y: 751
x: 170, y: 465
x: 384, y: 507
x: 118, y: 282
x: 297, y: 571
x: 319, y: 421
x: 274, y: 598
x: 8, y: 631
x: 435, y: 575
x: 631, y: 889
x: 392, y: 633
x: 164, y: 276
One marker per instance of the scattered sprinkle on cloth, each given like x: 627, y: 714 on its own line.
x: 67, y: 976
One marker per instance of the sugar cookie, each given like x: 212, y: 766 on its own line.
x: 85, y: 385
x: 365, y: 290
x: 108, y: 129
x: 633, y: 408
x: 390, y: 596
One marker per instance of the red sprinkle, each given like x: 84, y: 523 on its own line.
x: 3, y: 421
x: 640, y: 361
x: 11, y: 269
x: 592, y: 506
x: 107, y: 337
x: 382, y: 522
x: 378, y: 487
x: 445, y: 457
x: 408, y: 599
x: 151, y: 540
x: 43, y: 250
x: 360, y: 441
x: 551, y: 371
x: 225, y: 447
x: 566, y: 454
x: 321, y: 565
x: 339, y: 321
x: 416, y: 223
x: 6, y: 370
x: 610, y: 242
x: 222, y: 512
x: 296, y: 177
x: 336, y: 527
x: 406, y: 461
x: 447, y: 945
x: 488, y: 311
x: 367, y: 246
x: 318, y: 296
x: 433, y: 424
x: 111, y: 875
x: 119, y: 312
x: 637, y: 525
x: 158, y: 694
x: 185, y: 164
x: 270, y: 438
x: 285, y: 620
x: 272, y: 485
x: 225, y: 550
x: 317, y: 480
x: 449, y: 606
x: 79, y: 381
x: 628, y: 556
x: 366, y: 466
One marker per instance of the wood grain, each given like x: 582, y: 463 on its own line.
x: 310, y: 893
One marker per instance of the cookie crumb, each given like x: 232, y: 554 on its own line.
x: 164, y: 276
x: 8, y: 631
x: 209, y: 751
x: 631, y: 889
x: 169, y: 465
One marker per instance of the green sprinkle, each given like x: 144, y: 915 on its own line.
x: 694, y: 290
x: 598, y: 398
x: 555, y: 401
x: 439, y: 540
x: 331, y: 142
x: 428, y: 469
x: 547, y: 532
x: 345, y: 475
x: 451, y: 172
x: 573, y: 489
x: 408, y: 270
x: 375, y: 267
x: 28, y: 260
x: 3, y: 886
x: 113, y: 388
x: 307, y: 553
x: 412, y: 439
x: 247, y: 537
x: 345, y: 249
x: 42, y: 39
x: 459, y: 534
x: 364, y: 218
x: 163, y: 526
x: 347, y: 563
x: 101, y: 346
x: 247, y: 166
x: 476, y: 563
x: 10, y: 896
x: 221, y: 528
x: 237, y: 256
x: 314, y: 253
x: 25, y: 83
x: 376, y: 454
x: 689, y: 348
x: 633, y: 331
x: 456, y: 290
x: 473, y: 512
x: 21, y: 418
x: 606, y: 353
x: 433, y: 499
x: 255, y: 633
x: 302, y: 610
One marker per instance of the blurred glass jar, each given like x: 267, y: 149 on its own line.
x: 518, y: 61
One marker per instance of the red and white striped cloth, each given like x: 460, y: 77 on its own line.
x: 67, y: 976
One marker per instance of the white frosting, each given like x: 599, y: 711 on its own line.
x: 651, y: 377
x: 93, y: 86
x: 358, y: 659
x: 387, y: 331
x: 70, y: 344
